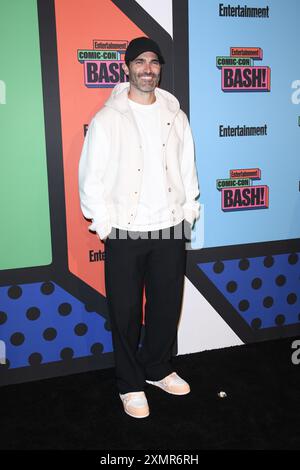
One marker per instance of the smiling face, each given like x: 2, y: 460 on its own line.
x: 144, y: 72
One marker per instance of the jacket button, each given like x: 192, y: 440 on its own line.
x: 169, y: 189
x: 164, y: 145
x: 139, y: 169
x: 168, y: 123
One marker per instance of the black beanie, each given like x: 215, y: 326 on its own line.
x: 139, y: 45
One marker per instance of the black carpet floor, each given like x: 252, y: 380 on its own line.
x: 83, y: 411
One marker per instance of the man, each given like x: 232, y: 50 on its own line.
x: 138, y: 184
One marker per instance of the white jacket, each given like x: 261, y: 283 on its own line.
x: 111, y: 163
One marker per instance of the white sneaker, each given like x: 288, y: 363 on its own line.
x: 135, y: 404
x: 172, y: 384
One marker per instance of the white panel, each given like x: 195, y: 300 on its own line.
x: 201, y: 327
x: 161, y: 11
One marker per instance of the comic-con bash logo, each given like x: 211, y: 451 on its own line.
x: 240, y: 73
x: 238, y: 193
x: 103, y: 64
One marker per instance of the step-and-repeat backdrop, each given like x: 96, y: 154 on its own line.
x: 235, y: 71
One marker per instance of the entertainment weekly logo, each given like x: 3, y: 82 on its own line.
x: 239, y: 73
x: 238, y: 192
x: 102, y: 65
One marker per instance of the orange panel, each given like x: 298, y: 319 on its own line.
x: 80, y: 26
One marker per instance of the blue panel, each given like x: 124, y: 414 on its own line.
x: 47, y: 331
x: 265, y: 290
x: 277, y: 153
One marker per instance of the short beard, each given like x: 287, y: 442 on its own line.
x: 134, y: 80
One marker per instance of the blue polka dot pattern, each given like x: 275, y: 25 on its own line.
x: 42, y: 323
x: 265, y: 290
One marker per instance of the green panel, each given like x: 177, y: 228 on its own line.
x: 24, y: 205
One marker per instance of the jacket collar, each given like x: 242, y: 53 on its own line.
x: 118, y: 100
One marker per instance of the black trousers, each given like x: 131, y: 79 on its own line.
x: 156, y: 260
